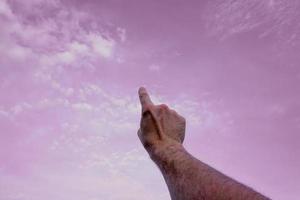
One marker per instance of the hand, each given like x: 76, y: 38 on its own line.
x: 159, y: 125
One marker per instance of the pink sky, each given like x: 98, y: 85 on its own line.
x: 69, y: 110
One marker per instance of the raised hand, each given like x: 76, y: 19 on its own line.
x: 162, y: 132
x: 159, y: 124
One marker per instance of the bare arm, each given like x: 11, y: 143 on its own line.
x: 162, y: 132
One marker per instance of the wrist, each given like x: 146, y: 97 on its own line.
x: 164, y: 151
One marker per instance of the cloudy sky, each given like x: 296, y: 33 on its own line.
x: 69, y: 110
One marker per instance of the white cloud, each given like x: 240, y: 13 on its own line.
x: 225, y: 19
x: 79, y: 48
x: 83, y: 107
x: 4, y: 113
x: 100, y: 45
x: 21, y: 107
x: 154, y: 68
x: 66, y: 57
x: 51, y: 103
x: 5, y: 9
x: 62, y: 40
x: 122, y: 34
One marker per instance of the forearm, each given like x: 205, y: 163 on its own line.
x: 190, y: 179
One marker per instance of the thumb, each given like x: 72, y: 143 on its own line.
x: 150, y: 124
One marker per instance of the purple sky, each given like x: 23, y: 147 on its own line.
x: 69, y: 110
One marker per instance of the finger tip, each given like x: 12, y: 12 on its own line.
x: 142, y: 90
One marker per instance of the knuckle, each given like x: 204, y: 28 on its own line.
x: 163, y: 107
x: 173, y: 112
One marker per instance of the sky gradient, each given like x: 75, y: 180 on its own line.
x: 69, y: 109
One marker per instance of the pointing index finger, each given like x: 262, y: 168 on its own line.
x: 144, y: 97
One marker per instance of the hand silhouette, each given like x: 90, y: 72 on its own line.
x: 159, y: 124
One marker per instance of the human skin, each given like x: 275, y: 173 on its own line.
x: 162, y: 132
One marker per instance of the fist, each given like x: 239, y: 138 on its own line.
x: 159, y: 124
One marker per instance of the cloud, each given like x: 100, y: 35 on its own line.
x: 100, y: 45
x: 4, y: 9
x: 4, y: 113
x: 20, y: 107
x: 154, y: 67
x: 48, y: 38
x: 225, y: 19
x: 122, y: 34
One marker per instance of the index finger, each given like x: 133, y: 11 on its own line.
x: 144, y: 97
